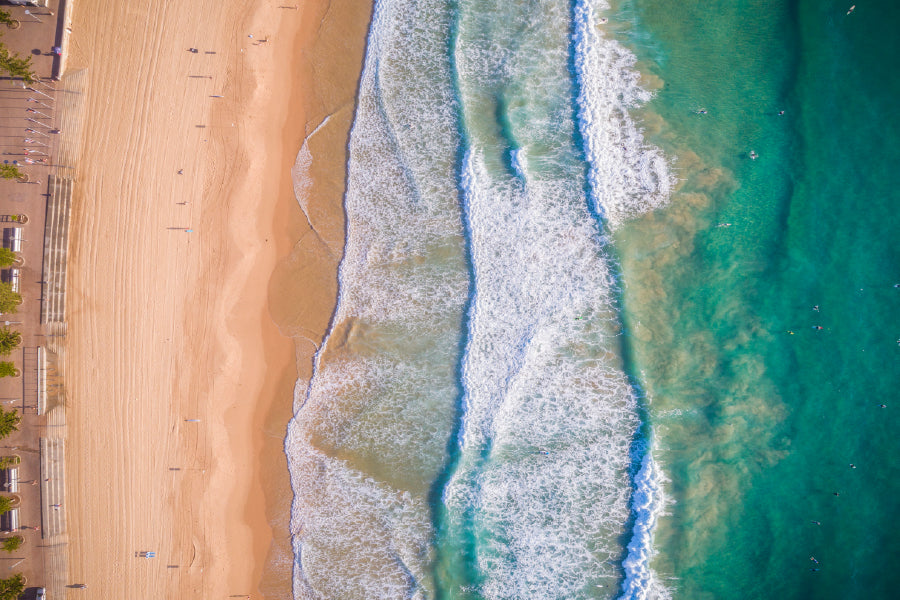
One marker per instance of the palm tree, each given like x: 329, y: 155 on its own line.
x: 9, y: 422
x: 8, y: 171
x: 9, y: 340
x: 11, y: 544
x: 7, y: 257
x: 9, y: 300
x: 6, y: 19
x: 12, y: 587
x: 15, y: 65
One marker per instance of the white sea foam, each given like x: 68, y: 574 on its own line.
x: 370, y: 430
x: 647, y: 503
x: 627, y: 175
x: 517, y: 158
x: 549, y: 414
x: 300, y: 175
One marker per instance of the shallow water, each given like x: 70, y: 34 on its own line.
x: 574, y: 354
x: 759, y: 415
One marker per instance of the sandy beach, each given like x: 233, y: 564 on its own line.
x: 188, y: 286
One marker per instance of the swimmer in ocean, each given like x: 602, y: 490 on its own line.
x: 816, y: 308
x: 818, y: 327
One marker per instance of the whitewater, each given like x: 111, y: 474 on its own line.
x: 470, y: 429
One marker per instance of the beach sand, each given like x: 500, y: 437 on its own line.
x: 180, y: 356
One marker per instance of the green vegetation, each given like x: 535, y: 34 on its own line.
x: 9, y: 461
x: 12, y: 587
x: 15, y: 65
x: 5, y: 504
x: 8, y: 369
x: 8, y: 171
x: 9, y: 422
x: 9, y: 303
x: 9, y: 340
x: 7, y: 257
x: 10, y: 62
x: 11, y: 544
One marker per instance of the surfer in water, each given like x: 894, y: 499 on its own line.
x: 852, y: 8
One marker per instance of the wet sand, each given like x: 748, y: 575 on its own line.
x: 179, y: 382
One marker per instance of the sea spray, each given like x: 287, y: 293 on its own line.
x: 370, y: 429
x: 548, y: 414
x: 647, y: 502
x: 538, y: 499
x: 627, y: 175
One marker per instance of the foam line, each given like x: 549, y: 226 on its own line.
x: 627, y: 176
x: 647, y: 503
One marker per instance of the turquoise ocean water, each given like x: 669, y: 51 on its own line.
x: 585, y: 345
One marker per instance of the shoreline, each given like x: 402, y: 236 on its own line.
x: 302, y: 290
x: 181, y: 394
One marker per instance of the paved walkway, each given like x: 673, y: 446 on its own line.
x: 53, y: 510
x: 53, y: 515
x: 39, y: 122
x: 56, y: 247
